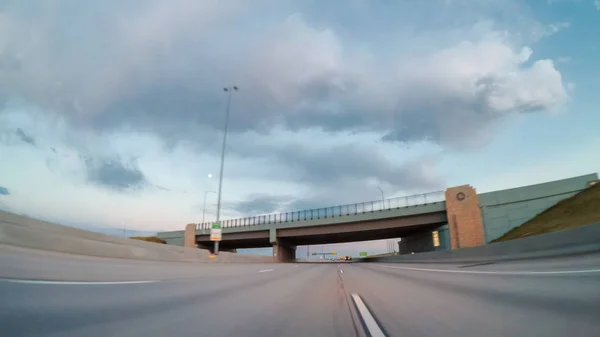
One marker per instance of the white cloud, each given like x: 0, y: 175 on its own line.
x: 556, y: 27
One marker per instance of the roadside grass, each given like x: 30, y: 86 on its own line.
x: 149, y: 239
x: 579, y: 210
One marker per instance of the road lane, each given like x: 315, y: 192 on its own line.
x: 426, y: 303
x: 301, y: 299
x: 32, y: 264
x: 304, y: 301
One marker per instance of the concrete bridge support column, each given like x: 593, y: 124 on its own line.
x: 189, y: 239
x: 282, y: 251
x: 464, y: 217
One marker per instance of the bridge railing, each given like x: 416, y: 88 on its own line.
x: 333, y: 211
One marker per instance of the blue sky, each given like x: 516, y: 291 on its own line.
x: 111, y: 113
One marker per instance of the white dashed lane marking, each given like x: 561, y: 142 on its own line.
x: 83, y: 283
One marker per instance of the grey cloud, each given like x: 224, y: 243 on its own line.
x: 260, y: 204
x: 426, y: 110
x: 4, y: 191
x: 114, y: 174
x: 25, y: 137
x: 328, y: 166
x: 176, y: 94
x: 335, y: 176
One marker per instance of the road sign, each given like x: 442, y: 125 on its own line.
x: 362, y: 254
x: 436, y: 238
x: 333, y: 253
x: 215, y: 232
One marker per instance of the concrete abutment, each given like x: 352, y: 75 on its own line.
x: 464, y: 217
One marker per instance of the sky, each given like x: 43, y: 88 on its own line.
x: 112, y: 113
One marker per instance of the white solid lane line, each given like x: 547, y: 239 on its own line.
x: 265, y: 270
x: 91, y: 283
x: 370, y: 324
x: 491, y: 272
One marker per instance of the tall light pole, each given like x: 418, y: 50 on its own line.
x: 382, y: 197
x: 204, y: 208
x: 229, y: 91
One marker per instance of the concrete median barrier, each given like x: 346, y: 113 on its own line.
x: 22, y: 231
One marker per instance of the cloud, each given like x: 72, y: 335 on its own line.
x: 354, y: 162
x: 24, y: 137
x: 294, y: 73
x: 260, y: 204
x: 4, y: 191
x: 114, y: 173
x: 456, y: 94
x: 597, y: 4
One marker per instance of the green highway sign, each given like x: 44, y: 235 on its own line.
x: 216, y: 232
x: 363, y: 254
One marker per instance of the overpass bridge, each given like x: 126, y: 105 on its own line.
x: 379, y: 219
x: 468, y: 219
x: 390, y: 218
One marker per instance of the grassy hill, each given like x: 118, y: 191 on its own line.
x: 149, y: 239
x: 579, y: 210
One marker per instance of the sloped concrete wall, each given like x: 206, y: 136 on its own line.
x: 506, y: 209
x: 580, y: 240
x: 22, y: 231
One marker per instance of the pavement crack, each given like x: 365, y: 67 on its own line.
x: 346, y: 297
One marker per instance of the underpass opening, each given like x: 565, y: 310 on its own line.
x: 225, y: 244
x: 367, y: 235
x: 405, y: 240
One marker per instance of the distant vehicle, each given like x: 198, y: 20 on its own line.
x: 348, y: 258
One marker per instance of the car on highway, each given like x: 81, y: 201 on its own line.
x: 348, y: 258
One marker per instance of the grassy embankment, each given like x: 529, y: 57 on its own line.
x: 149, y: 239
x: 579, y: 210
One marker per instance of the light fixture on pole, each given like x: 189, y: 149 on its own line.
x: 229, y: 91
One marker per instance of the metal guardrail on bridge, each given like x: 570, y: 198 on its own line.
x: 334, y: 211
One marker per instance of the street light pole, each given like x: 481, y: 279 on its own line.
x: 229, y: 91
x: 382, y: 198
x: 204, y: 208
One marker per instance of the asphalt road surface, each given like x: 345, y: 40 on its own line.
x: 553, y: 297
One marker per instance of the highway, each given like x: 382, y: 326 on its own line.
x: 551, y: 297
